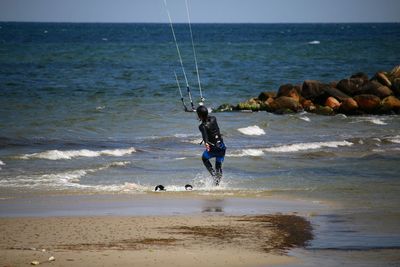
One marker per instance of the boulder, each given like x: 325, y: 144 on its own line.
x: 381, y: 77
x: 396, y: 86
x: 360, y: 75
x: 394, y: 73
x: 289, y: 91
x: 368, y: 103
x: 308, y: 105
x: 249, y: 105
x: 350, y: 86
x: 324, y: 110
x: 312, y: 89
x: 376, y: 88
x: 349, y: 106
x: 332, y: 103
x: 265, y: 95
x: 391, y: 103
x: 284, y: 103
x: 336, y: 93
x: 224, y: 107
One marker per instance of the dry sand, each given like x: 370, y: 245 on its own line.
x: 190, y: 240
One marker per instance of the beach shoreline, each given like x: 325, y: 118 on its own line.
x: 108, y: 230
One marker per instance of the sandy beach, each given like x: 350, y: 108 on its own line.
x: 197, y: 240
x: 128, y: 232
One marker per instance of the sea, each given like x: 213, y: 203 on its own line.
x: 94, y: 108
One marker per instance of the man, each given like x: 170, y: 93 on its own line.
x: 215, y: 147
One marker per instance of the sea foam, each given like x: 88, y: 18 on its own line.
x: 307, y: 146
x: 314, y: 42
x: 69, y: 154
x: 252, y: 130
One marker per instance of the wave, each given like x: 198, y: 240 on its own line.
x: 307, y: 146
x: 258, y: 152
x: 373, y: 120
x: 248, y: 152
x: 378, y: 122
x: 394, y: 139
x: 59, y: 180
x: 315, y: 42
x: 69, y: 154
x: 305, y: 118
x: 1, y: 164
x: 252, y: 130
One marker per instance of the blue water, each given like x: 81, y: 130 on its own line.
x: 94, y: 108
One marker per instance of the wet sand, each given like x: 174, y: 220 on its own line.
x: 184, y: 240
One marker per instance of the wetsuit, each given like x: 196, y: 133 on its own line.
x: 211, y: 135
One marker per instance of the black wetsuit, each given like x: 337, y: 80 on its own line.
x: 211, y: 135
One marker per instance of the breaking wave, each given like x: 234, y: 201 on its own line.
x: 60, y: 180
x: 252, y: 130
x: 307, y: 146
x: 69, y: 154
x: 257, y: 152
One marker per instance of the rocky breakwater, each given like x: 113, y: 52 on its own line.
x: 355, y: 95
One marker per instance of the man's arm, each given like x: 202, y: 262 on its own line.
x: 204, y: 135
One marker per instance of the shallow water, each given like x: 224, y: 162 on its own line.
x: 94, y: 108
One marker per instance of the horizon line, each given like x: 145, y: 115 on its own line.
x: 138, y: 22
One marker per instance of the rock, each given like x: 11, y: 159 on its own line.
x: 368, y: 103
x: 349, y: 106
x: 360, y: 75
x: 336, y: 93
x: 332, y: 103
x: 263, y: 96
x: 285, y: 103
x: 35, y: 263
x: 312, y: 89
x: 394, y: 73
x: 396, y: 86
x: 391, y: 103
x: 289, y: 91
x: 52, y: 258
x: 381, y: 77
x: 324, y: 110
x: 308, y: 105
x: 224, y: 107
x: 350, y: 86
x: 376, y: 88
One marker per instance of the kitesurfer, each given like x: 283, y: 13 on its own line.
x: 215, y: 147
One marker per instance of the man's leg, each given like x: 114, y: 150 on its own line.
x: 206, y: 161
x: 218, y: 167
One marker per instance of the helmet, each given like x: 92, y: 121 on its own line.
x: 202, y: 112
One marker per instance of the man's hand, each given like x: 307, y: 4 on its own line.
x: 207, y: 146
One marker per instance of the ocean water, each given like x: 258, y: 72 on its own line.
x: 94, y: 108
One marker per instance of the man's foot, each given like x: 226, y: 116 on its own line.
x: 217, y: 178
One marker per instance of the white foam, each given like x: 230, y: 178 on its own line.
x: 315, y: 42
x: 248, y: 152
x: 2, y: 163
x: 195, y: 141
x: 305, y: 118
x: 252, y: 130
x: 69, y: 154
x: 307, y: 146
x: 394, y: 139
x: 66, y: 179
x: 378, y: 122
